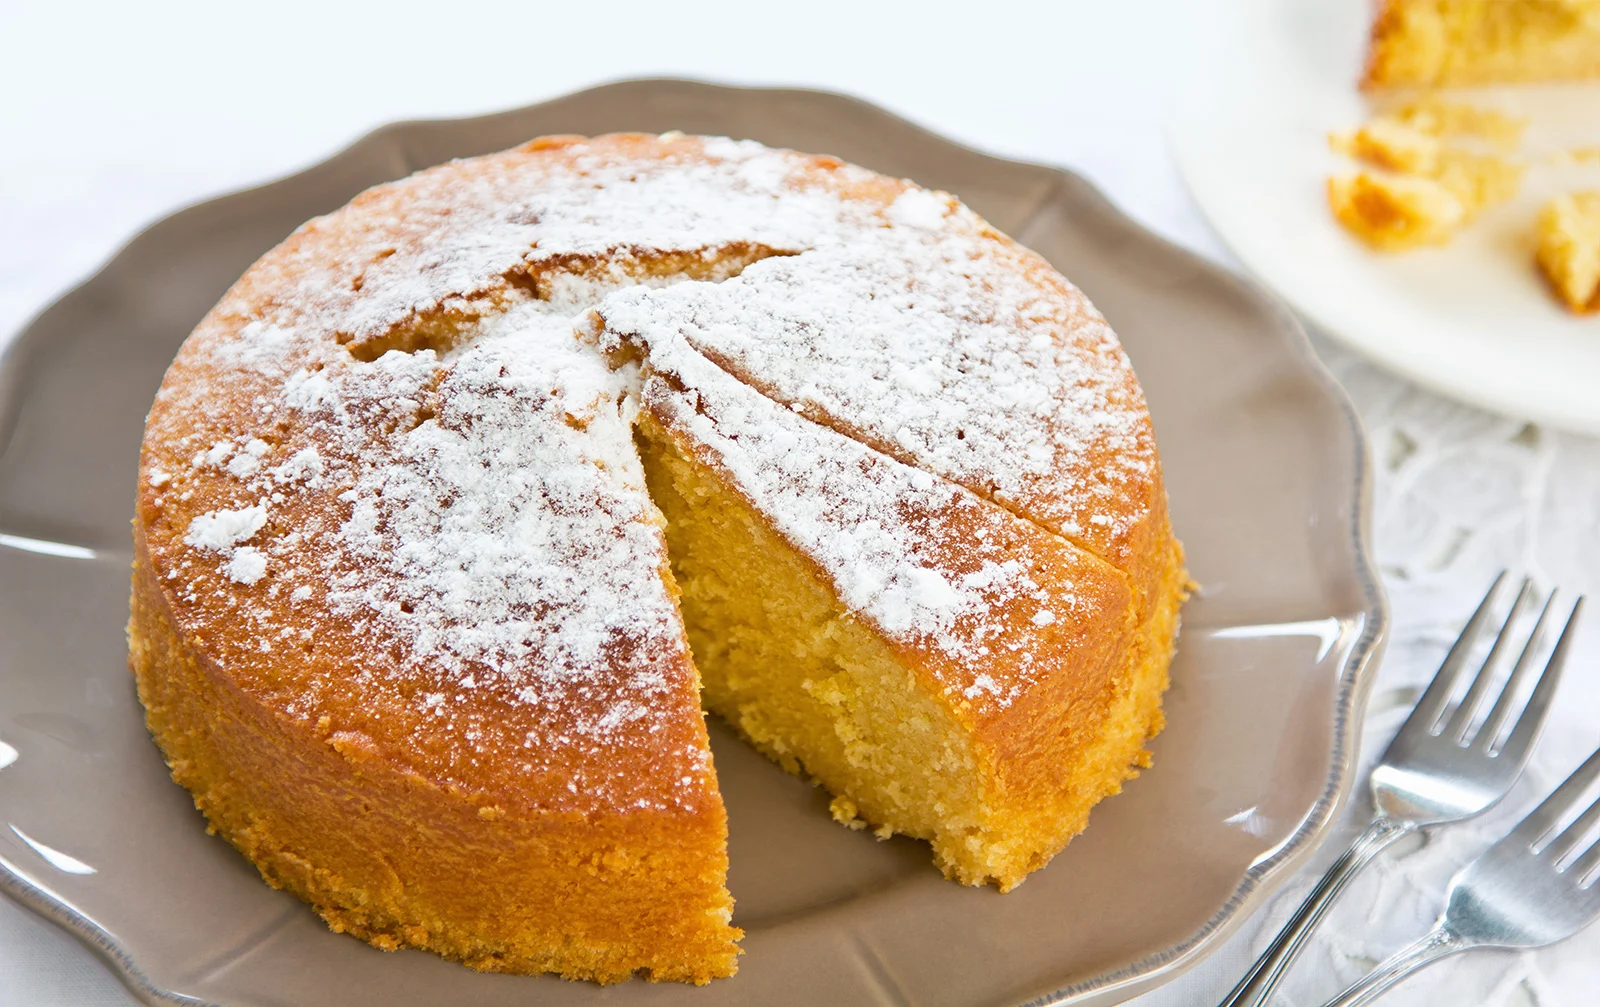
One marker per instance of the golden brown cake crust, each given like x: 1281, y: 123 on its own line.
x: 395, y: 559
x: 400, y: 861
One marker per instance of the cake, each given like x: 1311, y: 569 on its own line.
x: 1569, y: 249
x: 1434, y: 167
x: 465, y: 501
x: 1425, y: 190
x: 1436, y: 43
x: 1395, y: 212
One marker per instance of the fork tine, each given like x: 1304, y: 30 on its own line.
x: 1542, y: 819
x: 1563, y: 844
x: 1532, y: 717
x: 1496, y: 720
x: 1584, y: 865
x: 1431, y: 705
x: 1461, y: 720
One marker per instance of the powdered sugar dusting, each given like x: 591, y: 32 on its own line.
x: 982, y: 685
x: 874, y: 525
x: 920, y: 208
x: 304, y: 466
x: 258, y: 344
x: 248, y: 460
x: 247, y: 565
x: 309, y: 391
x: 929, y: 343
x: 221, y: 531
x: 513, y: 526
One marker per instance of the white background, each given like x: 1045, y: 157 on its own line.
x: 112, y: 115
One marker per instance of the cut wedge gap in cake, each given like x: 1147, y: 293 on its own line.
x: 573, y: 281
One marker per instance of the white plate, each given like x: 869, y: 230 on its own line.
x: 1472, y: 320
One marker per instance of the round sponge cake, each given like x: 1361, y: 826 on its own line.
x: 465, y: 500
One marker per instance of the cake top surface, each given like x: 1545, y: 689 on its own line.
x: 940, y: 345
x: 395, y: 457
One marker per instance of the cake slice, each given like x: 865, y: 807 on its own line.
x: 1435, y: 43
x: 496, y: 750
x: 959, y: 353
x: 1569, y: 248
x: 946, y: 669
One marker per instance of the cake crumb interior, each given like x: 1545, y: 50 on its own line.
x: 810, y: 687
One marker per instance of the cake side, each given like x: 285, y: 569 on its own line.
x: 1064, y: 774
x: 385, y: 854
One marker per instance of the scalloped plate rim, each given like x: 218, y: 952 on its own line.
x: 1258, y: 881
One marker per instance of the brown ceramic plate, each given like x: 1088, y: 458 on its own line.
x: 1267, y: 473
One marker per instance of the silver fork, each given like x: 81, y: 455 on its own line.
x: 1528, y: 890
x: 1435, y: 771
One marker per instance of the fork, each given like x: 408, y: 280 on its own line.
x: 1435, y: 771
x: 1526, y: 891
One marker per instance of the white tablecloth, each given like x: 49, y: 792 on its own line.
x: 115, y: 115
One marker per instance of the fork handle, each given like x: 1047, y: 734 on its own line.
x: 1258, y: 984
x: 1439, y: 943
